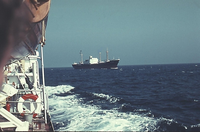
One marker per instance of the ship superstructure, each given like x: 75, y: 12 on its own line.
x: 24, y: 98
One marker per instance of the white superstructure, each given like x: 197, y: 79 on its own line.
x: 21, y: 94
x: 93, y: 60
x: 16, y: 73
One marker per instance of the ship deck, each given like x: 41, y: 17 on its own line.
x: 38, y: 124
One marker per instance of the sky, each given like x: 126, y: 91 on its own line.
x: 138, y: 32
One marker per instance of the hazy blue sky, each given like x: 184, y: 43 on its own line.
x: 135, y: 31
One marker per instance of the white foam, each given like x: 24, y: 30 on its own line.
x: 197, y: 125
x: 73, y: 115
x: 59, y: 89
x: 110, y: 98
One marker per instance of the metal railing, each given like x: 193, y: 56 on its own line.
x: 14, y: 100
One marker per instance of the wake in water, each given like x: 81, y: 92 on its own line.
x: 69, y: 112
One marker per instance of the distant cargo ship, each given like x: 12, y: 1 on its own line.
x: 94, y: 63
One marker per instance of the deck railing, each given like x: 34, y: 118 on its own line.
x: 13, y: 101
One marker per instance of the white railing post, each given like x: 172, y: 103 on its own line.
x: 44, y: 91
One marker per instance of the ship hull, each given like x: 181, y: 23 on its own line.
x: 112, y: 64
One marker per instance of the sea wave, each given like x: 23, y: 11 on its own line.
x: 59, y: 89
x: 110, y: 98
x: 70, y: 113
x: 159, y: 98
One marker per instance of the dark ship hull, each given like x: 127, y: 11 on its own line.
x: 111, y: 64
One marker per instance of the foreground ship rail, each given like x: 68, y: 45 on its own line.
x: 23, y: 101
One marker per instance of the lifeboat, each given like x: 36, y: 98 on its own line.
x: 33, y: 16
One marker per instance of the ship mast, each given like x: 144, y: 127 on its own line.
x: 107, y: 55
x: 99, y: 57
x: 81, y: 57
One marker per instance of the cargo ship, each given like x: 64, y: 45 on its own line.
x: 23, y: 95
x: 95, y: 63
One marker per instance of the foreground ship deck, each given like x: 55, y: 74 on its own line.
x: 38, y: 124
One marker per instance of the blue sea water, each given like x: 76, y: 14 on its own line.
x: 130, y: 98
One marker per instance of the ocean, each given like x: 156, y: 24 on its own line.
x: 130, y: 98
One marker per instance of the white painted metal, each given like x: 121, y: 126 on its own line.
x: 21, y: 126
x: 16, y: 75
x: 44, y: 91
x: 6, y: 124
